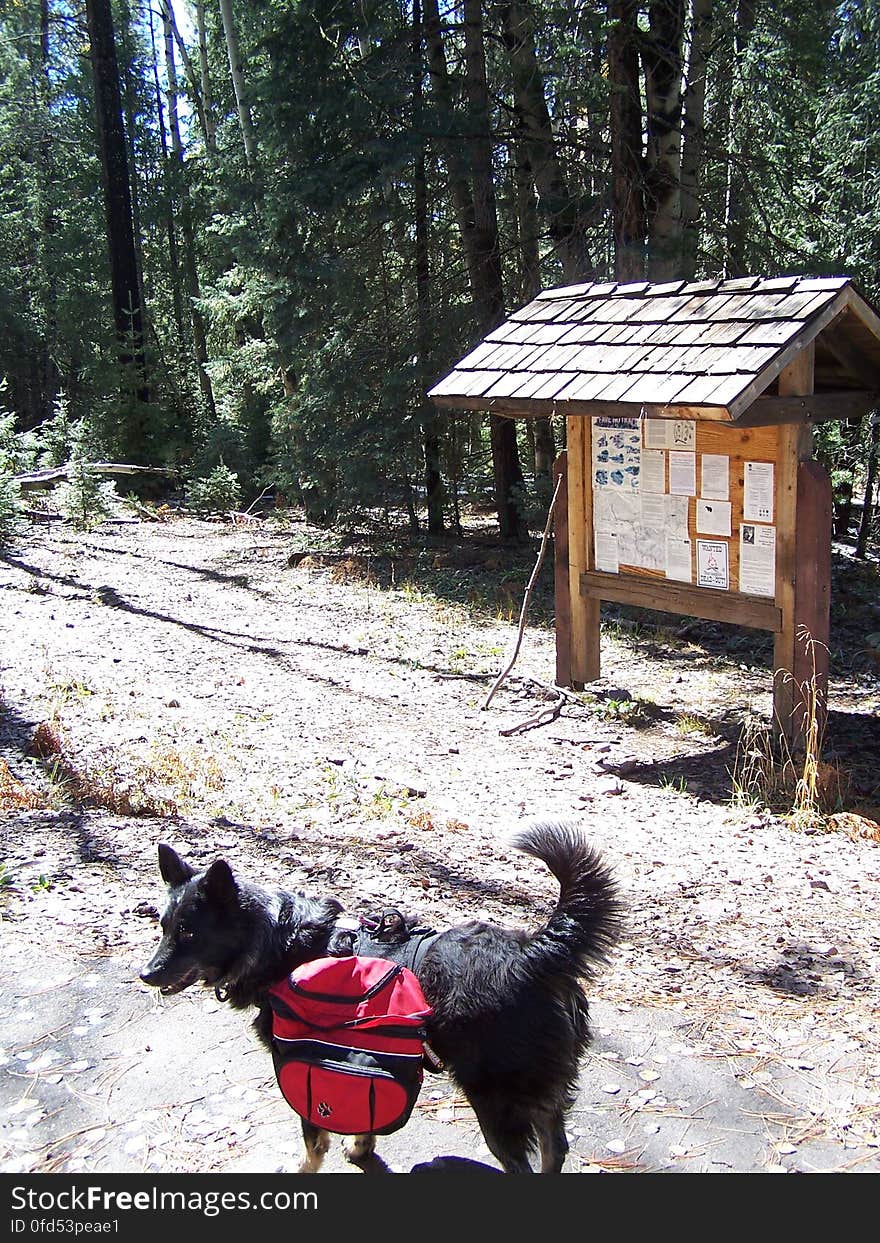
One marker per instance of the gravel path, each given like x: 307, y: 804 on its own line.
x: 327, y: 733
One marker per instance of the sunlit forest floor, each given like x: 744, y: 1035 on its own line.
x: 311, y: 705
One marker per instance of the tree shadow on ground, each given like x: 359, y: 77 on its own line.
x: 852, y: 745
x: 488, y: 575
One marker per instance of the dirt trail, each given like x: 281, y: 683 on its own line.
x: 327, y: 733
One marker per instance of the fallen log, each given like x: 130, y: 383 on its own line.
x: 35, y: 479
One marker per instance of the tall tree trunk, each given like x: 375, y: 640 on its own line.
x: 869, y: 504
x: 450, y: 144
x: 181, y: 184
x: 556, y: 201
x: 489, y: 289
x: 693, y: 131
x: 210, y: 125
x: 237, y: 73
x: 170, y: 205
x: 540, y: 431
x: 526, y: 223
x: 128, y: 315
x: 128, y: 78
x: 200, y: 87
x: 627, y: 166
x: 662, y: 58
x: 428, y: 412
x: 48, y: 368
x: 735, y: 257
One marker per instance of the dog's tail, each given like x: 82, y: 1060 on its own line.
x: 587, y: 920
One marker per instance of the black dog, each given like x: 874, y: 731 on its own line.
x: 510, y: 1020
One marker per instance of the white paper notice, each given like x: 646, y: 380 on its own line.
x: 653, y: 510
x: 670, y: 433
x: 682, y: 434
x: 677, y: 516
x: 712, y: 569
x: 653, y: 477
x: 683, y: 474
x: 619, y: 513
x: 713, y: 517
x: 678, y: 560
x: 616, y: 511
x: 606, y: 552
x: 757, y: 560
x: 656, y: 433
x: 715, y: 477
x: 758, y: 492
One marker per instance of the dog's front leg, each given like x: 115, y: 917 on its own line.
x: 316, y: 1144
x: 358, y: 1148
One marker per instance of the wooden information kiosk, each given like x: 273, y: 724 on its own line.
x: 689, y: 478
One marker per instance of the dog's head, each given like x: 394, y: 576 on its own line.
x: 204, y: 928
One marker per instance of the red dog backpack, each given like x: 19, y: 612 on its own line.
x: 347, y: 1042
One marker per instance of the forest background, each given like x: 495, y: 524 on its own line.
x: 241, y: 240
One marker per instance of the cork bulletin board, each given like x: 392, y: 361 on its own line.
x: 684, y: 503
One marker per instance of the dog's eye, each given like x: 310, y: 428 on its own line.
x: 185, y: 935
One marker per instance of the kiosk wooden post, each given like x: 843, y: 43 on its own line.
x: 800, y: 647
x: 584, y: 611
x: 561, y: 572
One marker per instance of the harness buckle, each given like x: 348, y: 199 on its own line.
x: 386, y: 923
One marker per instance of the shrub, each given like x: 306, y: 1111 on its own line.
x: 84, y: 500
x: 218, y: 492
x: 10, y: 511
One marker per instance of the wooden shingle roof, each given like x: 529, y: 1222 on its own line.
x: 708, y: 349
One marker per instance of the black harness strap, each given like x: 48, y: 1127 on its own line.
x: 385, y: 935
x: 409, y: 953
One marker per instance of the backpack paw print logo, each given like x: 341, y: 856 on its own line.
x: 324, y: 1109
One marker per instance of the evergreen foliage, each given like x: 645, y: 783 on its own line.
x: 9, y: 490
x: 216, y: 493
x: 305, y: 243
x: 84, y: 498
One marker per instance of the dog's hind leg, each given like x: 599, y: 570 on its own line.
x: 316, y: 1144
x: 509, y: 1134
x: 553, y: 1144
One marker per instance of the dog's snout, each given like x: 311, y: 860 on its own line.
x: 155, y: 971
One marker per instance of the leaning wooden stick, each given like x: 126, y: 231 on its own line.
x: 524, y: 611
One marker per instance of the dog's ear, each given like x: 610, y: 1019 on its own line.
x: 174, y: 870
x: 219, y: 883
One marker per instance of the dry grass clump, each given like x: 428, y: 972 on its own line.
x: 860, y: 826
x: 45, y: 741
x: 165, y: 783
x: 424, y: 820
x: 351, y: 570
x: 800, y: 785
x: 162, y: 784
x: 804, y: 788
x: 15, y: 795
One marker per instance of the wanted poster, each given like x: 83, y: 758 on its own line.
x: 712, y: 564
